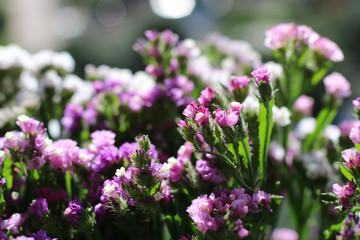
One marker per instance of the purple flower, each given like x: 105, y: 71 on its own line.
x: 100, y: 213
x: 152, y: 35
x: 156, y: 71
x: 36, y: 163
x: 337, y: 85
x: 74, y: 211
x: 208, y: 172
x: 62, y: 153
x: 328, y: 49
x: 355, y: 134
x: 103, y: 138
x: 356, y: 103
x: 3, y: 236
x: 29, y: 125
x: 40, y: 235
x: 284, y: 234
x: 237, y: 82
x: 304, y: 104
x: 206, y: 96
x: 169, y: 37
x: 261, y: 74
x: 39, y: 208
x: 241, y: 231
x: 72, y: 116
x: 200, y: 210
x: 344, y: 192
x: 14, y: 223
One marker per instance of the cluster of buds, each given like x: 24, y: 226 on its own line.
x: 142, y: 184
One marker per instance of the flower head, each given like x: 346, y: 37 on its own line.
x: 261, y: 74
x: 337, y: 85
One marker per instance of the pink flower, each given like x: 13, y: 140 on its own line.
x: 306, y: 34
x: 284, y: 234
x: 191, y: 110
x: 261, y: 74
x: 29, y: 125
x: 237, y: 82
x: 235, y: 107
x: 200, y: 210
x: 304, y: 104
x: 155, y: 71
x: 220, y: 116
x: 152, y: 35
x: 356, y: 103
x: 346, y: 126
x: 337, y: 85
x: 241, y: 231
x: 344, y: 192
x: 350, y: 160
x: 328, y: 48
x: 355, y: 134
x: 279, y: 35
x: 169, y: 37
x: 202, y: 116
x: 206, y: 96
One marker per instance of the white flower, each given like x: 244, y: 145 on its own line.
x: 333, y: 133
x: 281, y: 116
x: 305, y: 127
x: 157, y: 196
x: 109, y: 189
x: 120, y: 172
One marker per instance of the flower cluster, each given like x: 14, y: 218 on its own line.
x: 224, y: 208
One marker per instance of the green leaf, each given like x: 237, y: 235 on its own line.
x: 7, y: 172
x: 265, y: 128
x: 154, y: 188
x: 324, y: 118
x: 68, y: 183
x: 346, y: 172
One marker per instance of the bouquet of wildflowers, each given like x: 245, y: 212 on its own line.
x: 207, y: 142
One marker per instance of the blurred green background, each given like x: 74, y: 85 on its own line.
x: 103, y: 31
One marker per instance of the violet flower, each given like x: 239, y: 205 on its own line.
x: 74, y: 211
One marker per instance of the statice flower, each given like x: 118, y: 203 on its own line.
x: 72, y: 116
x: 61, y: 60
x: 284, y: 234
x: 261, y: 75
x: 16, y: 140
x: 202, y: 116
x: 30, y: 125
x: 356, y: 103
x: 213, y: 212
x: 39, y: 208
x: 279, y: 35
x: 14, y: 223
x: 281, y: 116
x: 41, y: 235
x: 346, y: 126
x: 351, y: 161
x: 208, y: 172
x: 304, y: 104
x: 237, y: 82
x: 206, y: 96
x: 355, y: 134
x: 344, y: 193
x: 328, y: 49
x: 62, y: 153
x: 74, y: 211
x: 337, y: 85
